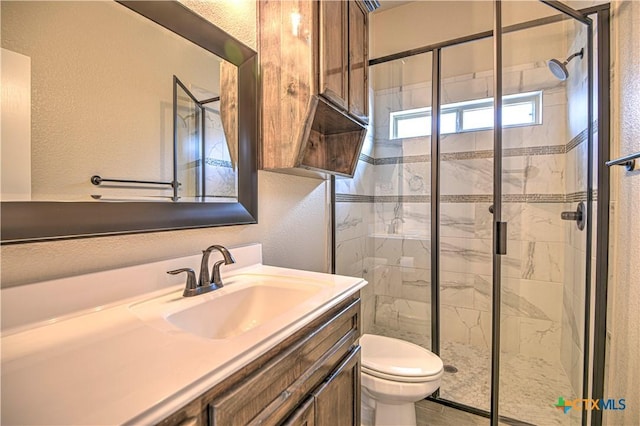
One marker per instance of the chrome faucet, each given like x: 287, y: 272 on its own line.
x: 397, y: 220
x: 394, y: 225
x: 227, y: 259
x: 204, y: 284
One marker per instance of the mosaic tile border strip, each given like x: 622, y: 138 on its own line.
x: 218, y: 163
x: 488, y: 198
x: 576, y: 197
x: 533, y: 198
x: 577, y: 140
x: 581, y: 137
x: 353, y: 198
x: 474, y: 155
x: 488, y: 153
x: 402, y: 198
x: 367, y: 159
x: 467, y: 198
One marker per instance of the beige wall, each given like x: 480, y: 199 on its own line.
x: 293, y: 213
x: 623, y: 372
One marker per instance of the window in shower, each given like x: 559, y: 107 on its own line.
x: 520, y: 109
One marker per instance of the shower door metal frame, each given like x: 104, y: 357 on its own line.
x: 602, y: 212
x: 499, y: 227
x: 602, y: 229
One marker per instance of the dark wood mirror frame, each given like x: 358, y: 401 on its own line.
x: 26, y: 221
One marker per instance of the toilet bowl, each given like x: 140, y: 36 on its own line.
x: 395, y: 374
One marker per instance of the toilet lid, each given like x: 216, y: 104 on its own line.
x: 391, y: 358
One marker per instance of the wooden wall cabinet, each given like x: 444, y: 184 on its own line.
x: 311, y: 378
x: 358, y: 49
x: 332, y: 52
x: 314, y: 62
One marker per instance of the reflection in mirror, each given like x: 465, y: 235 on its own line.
x: 188, y: 122
x: 89, y: 91
x: 205, y: 167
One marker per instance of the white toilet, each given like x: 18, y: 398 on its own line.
x: 395, y: 374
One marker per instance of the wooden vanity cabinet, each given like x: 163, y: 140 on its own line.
x: 311, y: 378
x: 314, y: 78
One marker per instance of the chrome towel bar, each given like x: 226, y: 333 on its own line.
x: 629, y: 161
x: 97, y: 180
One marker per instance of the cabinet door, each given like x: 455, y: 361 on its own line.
x: 333, y: 52
x: 338, y: 398
x: 304, y: 415
x: 358, y: 62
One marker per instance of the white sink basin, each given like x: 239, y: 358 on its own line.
x: 240, y: 311
x: 243, y: 304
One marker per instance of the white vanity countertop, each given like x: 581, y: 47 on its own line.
x: 107, y: 365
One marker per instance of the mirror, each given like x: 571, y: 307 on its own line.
x: 168, y: 97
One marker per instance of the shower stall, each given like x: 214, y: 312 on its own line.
x: 473, y: 210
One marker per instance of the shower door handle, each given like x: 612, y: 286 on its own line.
x: 579, y: 216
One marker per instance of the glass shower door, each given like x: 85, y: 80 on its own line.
x: 400, y: 266
x: 465, y: 248
x: 544, y: 201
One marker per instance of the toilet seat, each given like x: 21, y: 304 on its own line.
x: 398, y: 360
x: 401, y: 379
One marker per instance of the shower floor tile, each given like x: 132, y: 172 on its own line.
x: 529, y: 387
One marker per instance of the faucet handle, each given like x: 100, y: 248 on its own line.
x: 215, y: 273
x: 191, y: 278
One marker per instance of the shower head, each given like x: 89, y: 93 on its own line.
x: 559, y: 69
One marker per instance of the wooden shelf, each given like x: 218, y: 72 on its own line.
x: 332, y: 140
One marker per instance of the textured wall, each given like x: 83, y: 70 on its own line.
x: 289, y: 207
x: 623, y: 373
x: 237, y: 17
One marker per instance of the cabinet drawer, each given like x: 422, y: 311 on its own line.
x: 278, y: 386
